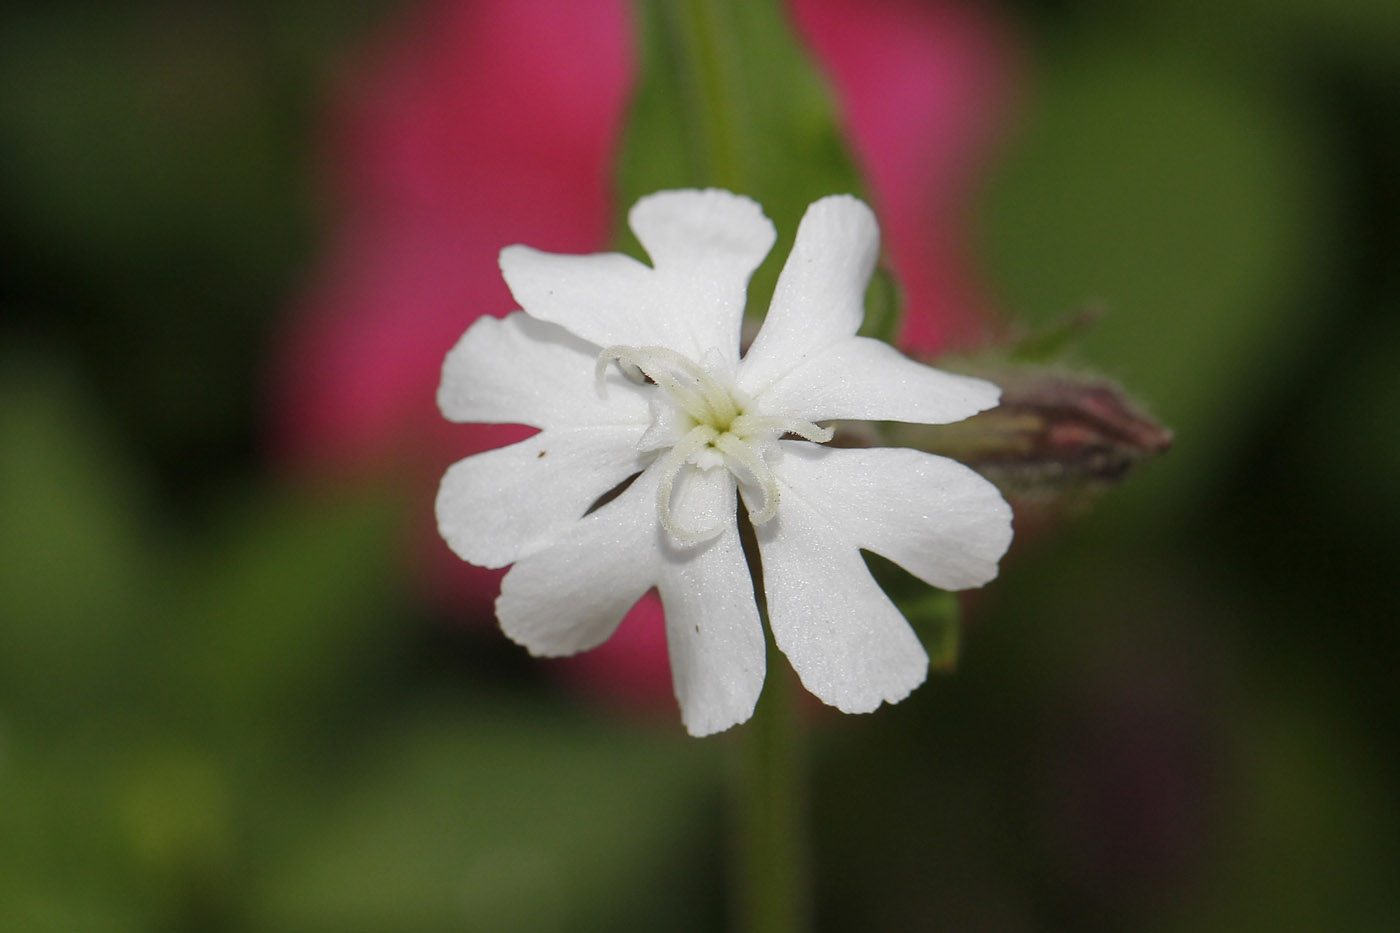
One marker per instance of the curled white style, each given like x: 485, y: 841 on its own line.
x: 706, y: 423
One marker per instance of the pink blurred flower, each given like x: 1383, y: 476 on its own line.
x: 471, y: 125
x: 924, y: 86
x: 474, y: 124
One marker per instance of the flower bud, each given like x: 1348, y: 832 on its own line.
x: 1055, y: 432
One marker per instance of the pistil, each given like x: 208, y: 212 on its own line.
x: 717, y: 422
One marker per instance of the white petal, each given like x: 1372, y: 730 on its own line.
x: 516, y: 370
x: 704, y: 245
x: 820, y: 296
x: 605, y: 298
x: 848, y: 643
x: 496, y: 506
x: 933, y: 516
x: 668, y: 425
x: 713, y: 633
x: 859, y: 379
x: 571, y: 595
x: 710, y: 228
x: 703, y: 500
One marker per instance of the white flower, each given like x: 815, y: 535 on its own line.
x: 632, y: 371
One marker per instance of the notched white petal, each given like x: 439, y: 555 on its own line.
x: 712, y: 227
x: 517, y: 370
x: 571, y: 595
x: 704, y: 246
x: 494, y: 507
x: 713, y: 633
x: 933, y: 516
x: 604, y: 298
x: 820, y: 295
x: 849, y: 645
x: 860, y: 379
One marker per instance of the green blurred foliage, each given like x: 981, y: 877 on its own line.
x: 1183, y: 205
x: 454, y: 818
x: 222, y: 707
x: 164, y: 718
x: 157, y: 199
x: 781, y: 143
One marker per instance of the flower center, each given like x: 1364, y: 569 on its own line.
x: 704, y: 422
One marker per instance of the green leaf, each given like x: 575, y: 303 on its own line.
x: 1187, y: 206
x: 884, y: 305
x: 734, y: 70
x: 1054, y: 340
x: 937, y: 619
x: 935, y: 614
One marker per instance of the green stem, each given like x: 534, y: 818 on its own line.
x: 703, y: 39
x: 772, y: 870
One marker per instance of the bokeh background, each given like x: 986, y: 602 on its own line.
x: 243, y: 687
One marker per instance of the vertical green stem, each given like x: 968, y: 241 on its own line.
x: 703, y: 41
x: 772, y: 872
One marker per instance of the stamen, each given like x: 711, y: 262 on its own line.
x: 748, y: 425
x: 644, y: 359
x: 716, y: 396
x: 712, y: 403
x: 719, y: 432
x: 670, y: 466
x: 632, y: 373
x: 736, y: 450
